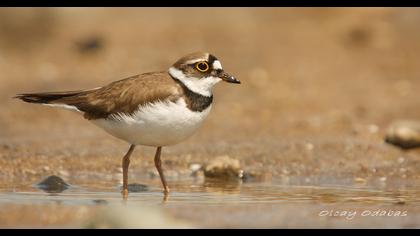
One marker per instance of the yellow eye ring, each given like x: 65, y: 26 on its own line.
x: 202, y: 66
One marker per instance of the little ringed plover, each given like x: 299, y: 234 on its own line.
x: 153, y: 109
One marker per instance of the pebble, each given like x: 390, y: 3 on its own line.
x: 153, y: 174
x: 64, y: 173
x: 195, y: 167
x: 359, y: 180
x: 136, y: 188
x: 31, y: 172
x: 401, y: 160
x: 90, y: 44
x: 6, y: 146
x: 100, y: 201
x: 400, y: 201
x: 404, y: 134
x: 373, y: 128
x: 53, y: 184
x: 309, y: 146
x: 223, y: 167
x: 382, y: 179
x: 285, y: 171
x: 195, y: 170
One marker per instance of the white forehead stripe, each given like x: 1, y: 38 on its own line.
x: 193, y: 61
x: 217, y: 65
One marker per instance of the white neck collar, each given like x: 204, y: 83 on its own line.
x: 202, y: 86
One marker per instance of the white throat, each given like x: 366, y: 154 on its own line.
x: 202, y: 86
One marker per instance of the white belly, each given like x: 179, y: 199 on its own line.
x: 158, y: 124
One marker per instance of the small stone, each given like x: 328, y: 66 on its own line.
x: 223, y: 167
x: 382, y: 179
x: 198, y: 175
x: 53, y: 184
x: 6, y: 146
x: 404, y: 134
x: 359, y: 180
x: 284, y: 171
x: 46, y: 168
x: 90, y: 44
x: 64, y: 173
x: 195, y: 167
x: 401, y: 160
x: 31, y: 172
x: 373, y: 128
x: 309, y: 146
x: 136, y: 188
x: 400, y: 201
x: 240, y: 174
x: 247, y: 176
x: 153, y: 174
x: 100, y: 201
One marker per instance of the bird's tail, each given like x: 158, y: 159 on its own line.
x: 47, y: 98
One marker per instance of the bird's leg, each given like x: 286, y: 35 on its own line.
x: 158, y: 164
x: 125, y: 164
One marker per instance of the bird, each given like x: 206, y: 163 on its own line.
x: 154, y: 109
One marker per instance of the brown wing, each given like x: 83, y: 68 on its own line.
x: 123, y: 96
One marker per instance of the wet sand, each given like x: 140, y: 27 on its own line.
x: 319, y: 89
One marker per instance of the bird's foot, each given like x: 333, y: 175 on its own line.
x: 124, y: 194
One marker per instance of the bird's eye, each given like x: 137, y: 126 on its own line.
x: 202, y: 66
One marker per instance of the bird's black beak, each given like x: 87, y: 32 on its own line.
x: 228, y: 78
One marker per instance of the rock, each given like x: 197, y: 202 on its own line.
x: 309, y: 146
x: 90, y: 44
x: 400, y: 201
x: 53, y: 184
x: 153, y: 173
x: 100, y: 202
x: 64, y: 173
x: 372, y: 128
x: 196, y: 170
x: 136, y: 188
x: 359, y: 180
x: 223, y: 167
x: 404, y: 134
x: 195, y: 167
x: 401, y: 160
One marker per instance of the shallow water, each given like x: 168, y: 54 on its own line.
x: 214, y: 203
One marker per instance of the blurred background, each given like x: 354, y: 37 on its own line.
x: 320, y: 87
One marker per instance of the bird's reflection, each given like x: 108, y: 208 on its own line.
x: 209, y: 185
x: 215, y: 185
